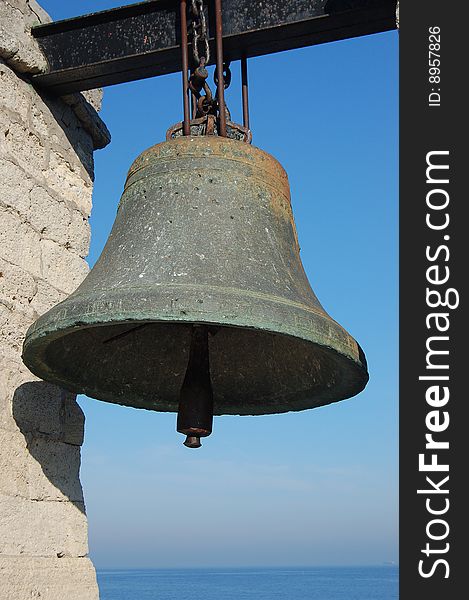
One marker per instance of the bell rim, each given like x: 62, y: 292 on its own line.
x: 359, y: 375
x: 37, y: 340
x: 82, y: 311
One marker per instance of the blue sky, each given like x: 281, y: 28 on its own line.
x: 311, y: 488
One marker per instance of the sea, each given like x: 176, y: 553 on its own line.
x: 320, y: 583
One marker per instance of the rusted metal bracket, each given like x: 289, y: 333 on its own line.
x: 142, y: 40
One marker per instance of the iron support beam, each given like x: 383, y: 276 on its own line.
x: 142, y: 40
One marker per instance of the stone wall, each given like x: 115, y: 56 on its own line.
x: 46, y: 173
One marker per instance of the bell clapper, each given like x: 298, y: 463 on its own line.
x: 195, y: 414
x: 192, y: 441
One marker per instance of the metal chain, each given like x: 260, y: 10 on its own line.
x: 227, y: 81
x: 226, y: 74
x: 206, y: 103
x: 199, y: 33
x: 202, y: 104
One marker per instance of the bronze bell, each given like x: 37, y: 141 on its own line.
x: 199, y: 300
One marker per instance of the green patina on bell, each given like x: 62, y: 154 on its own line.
x: 204, y: 236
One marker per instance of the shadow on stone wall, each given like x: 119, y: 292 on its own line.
x: 63, y: 115
x: 52, y: 424
x: 81, y: 124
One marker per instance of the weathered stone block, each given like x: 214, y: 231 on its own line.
x: 36, y: 467
x: 13, y: 469
x: 42, y: 528
x: 12, y: 96
x: 16, y: 43
x: 46, y: 173
x: 16, y: 285
x: 68, y: 180
x: 29, y: 151
x: 53, y: 468
x: 46, y: 297
x: 79, y: 233
x: 14, y: 187
x: 14, y: 320
x: 25, y: 578
x: 19, y: 243
x: 50, y: 218
x: 40, y: 120
x: 35, y: 406
x: 62, y: 268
